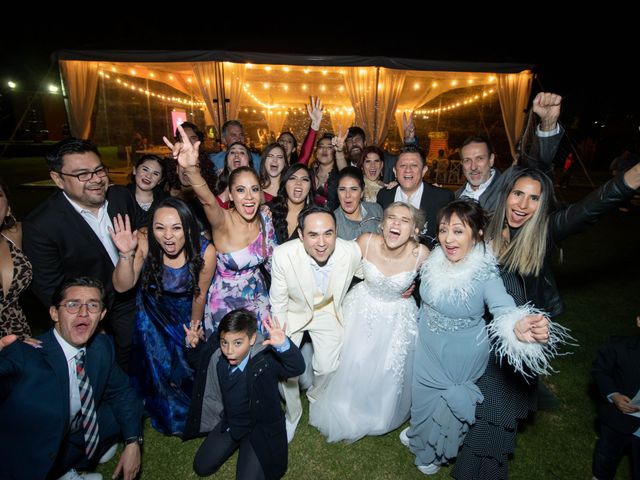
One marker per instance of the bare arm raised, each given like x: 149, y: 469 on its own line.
x: 187, y: 156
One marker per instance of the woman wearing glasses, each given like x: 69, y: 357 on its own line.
x: 175, y: 265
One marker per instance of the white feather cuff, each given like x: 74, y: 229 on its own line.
x: 529, y: 359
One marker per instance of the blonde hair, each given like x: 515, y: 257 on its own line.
x: 417, y: 216
x: 525, y: 253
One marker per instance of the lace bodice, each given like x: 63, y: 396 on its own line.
x: 383, y: 287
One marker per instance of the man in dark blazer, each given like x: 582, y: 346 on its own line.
x: 67, y: 235
x: 409, y: 170
x: 41, y: 431
x: 616, y: 372
x: 484, y: 182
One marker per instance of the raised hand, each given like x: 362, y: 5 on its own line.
x: 193, y: 334
x: 408, y: 127
x: 277, y: 335
x: 123, y: 238
x: 339, y: 139
x: 186, y: 153
x: 547, y: 107
x: 314, y: 109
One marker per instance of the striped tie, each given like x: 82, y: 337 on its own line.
x: 87, y: 407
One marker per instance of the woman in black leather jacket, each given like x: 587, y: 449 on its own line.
x: 525, y: 229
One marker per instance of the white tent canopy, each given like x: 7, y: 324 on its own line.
x: 366, y: 91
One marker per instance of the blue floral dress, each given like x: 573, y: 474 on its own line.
x: 157, y: 366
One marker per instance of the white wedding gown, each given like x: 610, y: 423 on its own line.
x: 370, y: 393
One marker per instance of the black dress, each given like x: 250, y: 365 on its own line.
x: 508, y: 398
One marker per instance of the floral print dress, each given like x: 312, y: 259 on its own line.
x: 239, y: 281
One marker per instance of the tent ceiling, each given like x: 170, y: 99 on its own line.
x: 289, y: 86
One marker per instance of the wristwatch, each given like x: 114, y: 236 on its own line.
x: 139, y: 440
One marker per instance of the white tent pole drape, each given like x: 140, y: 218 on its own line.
x: 429, y: 94
x: 79, y: 83
x: 234, y: 75
x: 513, y: 91
x: 275, y: 121
x: 374, y: 94
x: 205, y: 75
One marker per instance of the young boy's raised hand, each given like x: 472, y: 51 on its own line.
x: 277, y: 335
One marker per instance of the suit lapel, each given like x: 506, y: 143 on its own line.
x: 79, y: 228
x: 53, y: 354
x: 299, y: 260
x: 93, y: 366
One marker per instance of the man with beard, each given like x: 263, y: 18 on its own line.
x: 68, y: 234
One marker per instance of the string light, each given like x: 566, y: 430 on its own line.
x: 149, y: 93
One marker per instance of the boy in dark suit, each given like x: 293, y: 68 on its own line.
x: 616, y: 372
x: 236, y: 400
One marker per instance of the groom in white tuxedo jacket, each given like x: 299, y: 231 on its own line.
x: 310, y: 278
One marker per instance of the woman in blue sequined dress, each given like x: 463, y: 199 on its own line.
x: 175, y: 265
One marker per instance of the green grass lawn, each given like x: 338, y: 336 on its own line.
x: 600, y: 283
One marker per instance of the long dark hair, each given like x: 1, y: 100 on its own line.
x: 280, y: 204
x: 526, y: 252
x: 223, y: 178
x: 264, y: 177
x: 294, y: 152
x: 154, y: 266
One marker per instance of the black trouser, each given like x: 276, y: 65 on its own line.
x: 609, y: 449
x: 121, y: 319
x: 218, y: 447
x: 72, y: 452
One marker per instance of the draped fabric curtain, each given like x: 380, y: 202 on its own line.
x: 374, y: 94
x: 205, y: 75
x: 79, y: 83
x: 210, y: 77
x: 513, y: 91
x: 341, y: 119
x: 429, y: 94
x: 234, y: 77
x: 275, y: 121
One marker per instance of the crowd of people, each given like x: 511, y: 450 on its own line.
x: 209, y: 274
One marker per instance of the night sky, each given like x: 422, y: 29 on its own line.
x: 590, y: 62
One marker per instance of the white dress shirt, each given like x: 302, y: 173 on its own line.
x: 99, y: 225
x: 70, y: 353
x: 414, y: 199
x: 321, y: 274
x: 475, y: 194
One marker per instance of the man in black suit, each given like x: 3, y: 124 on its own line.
x: 44, y: 394
x: 409, y: 170
x: 616, y: 372
x: 67, y: 235
x: 484, y: 182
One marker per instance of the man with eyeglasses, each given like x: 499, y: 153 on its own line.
x: 65, y: 402
x: 68, y: 234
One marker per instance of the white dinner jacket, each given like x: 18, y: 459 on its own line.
x: 292, y: 281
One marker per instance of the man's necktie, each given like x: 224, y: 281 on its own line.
x: 87, y: 407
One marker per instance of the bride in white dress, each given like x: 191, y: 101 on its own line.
x: 370, y: 393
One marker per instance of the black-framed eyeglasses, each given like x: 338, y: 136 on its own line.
x: 74, y: 307
x: 86, y: 176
